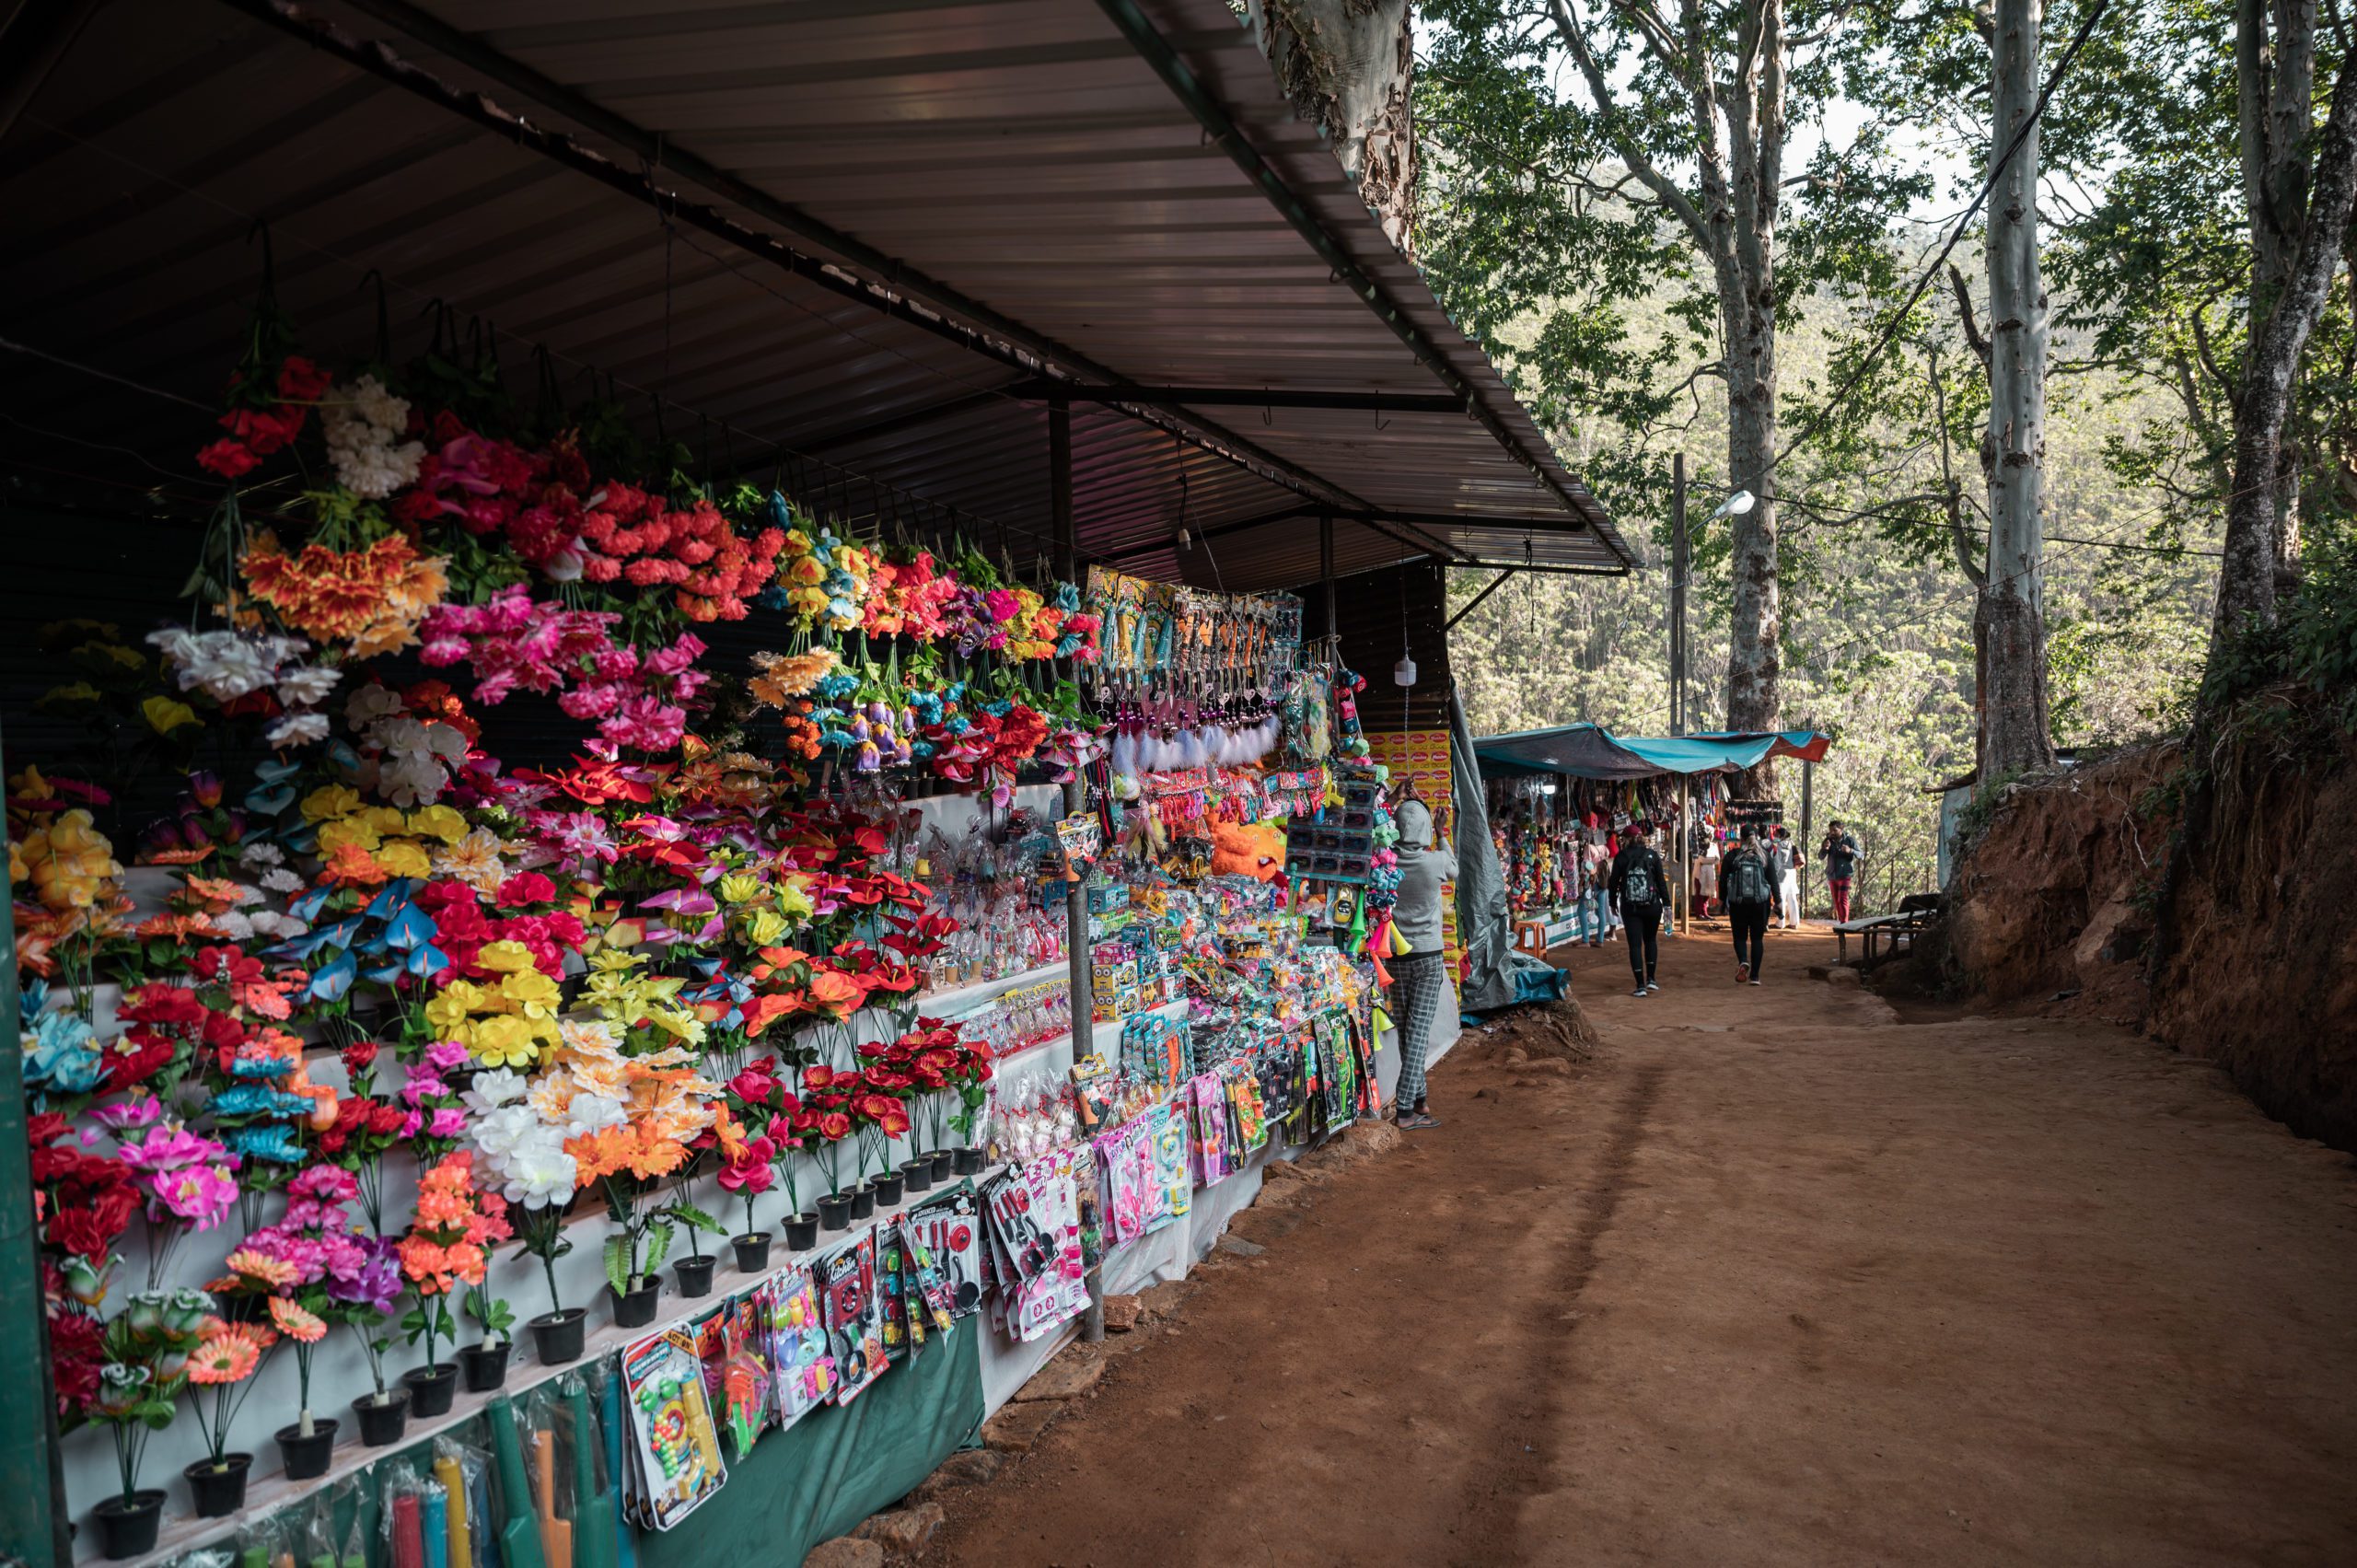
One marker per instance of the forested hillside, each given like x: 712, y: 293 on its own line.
x: 1878, y: 629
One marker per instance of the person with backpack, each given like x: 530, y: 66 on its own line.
x: 1640, y: 887
x: 1748, y: 884
x: 1839, y: 852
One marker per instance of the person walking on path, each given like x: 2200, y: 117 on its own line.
x: 1419, y: 979
x: 1839, y: 852
x: 1788, y: 884
x: 1748, y: 884
x: 1640, y: 887
x: 1596, y: 872
x: 1706, y: 873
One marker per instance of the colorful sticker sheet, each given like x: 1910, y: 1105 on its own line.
x: 674, y: 1451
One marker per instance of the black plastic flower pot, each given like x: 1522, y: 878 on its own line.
x: 916, y: 1175
x: 862, y: 1202
x: 752, y: 1251
x: 431, y: 1389
x: 219, y: 1489
x: 801, y: 1232
x: 557, y: 1336
x: 943, y: 1161
x: 306, y: 1458
x: 127, y: 1527
x: 695, y: 1275
x: 484, y: 1368
x: 968, y: 1162
x: 636, y: 1308
x: 382, y: 1424
x: 889, y: 1190
x: 834, y: 1211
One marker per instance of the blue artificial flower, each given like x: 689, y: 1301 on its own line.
x: 271, y: 1141
x: 259, y: 1067
x: 259, y: 1100
x: 835, y: 685
x: 958, y: 725
x: 998, y: 707
x: 62, y: 1053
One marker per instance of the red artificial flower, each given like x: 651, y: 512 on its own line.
x: 229, y: 458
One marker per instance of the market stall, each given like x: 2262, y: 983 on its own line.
x: 650, y: 847
x: 1559, y: 798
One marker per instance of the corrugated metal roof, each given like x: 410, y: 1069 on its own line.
x: 1020, y: 158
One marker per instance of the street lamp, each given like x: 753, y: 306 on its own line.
x: 1734, y: 506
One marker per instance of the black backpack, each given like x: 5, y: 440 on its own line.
x: 1746, y: 879
x: 1637, y: 887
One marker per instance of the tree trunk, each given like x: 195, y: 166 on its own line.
x: 2255, y: 508
x: 2009, y: 623
x: 1755, y: 670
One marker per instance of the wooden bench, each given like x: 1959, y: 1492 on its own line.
x: 1916, y: 911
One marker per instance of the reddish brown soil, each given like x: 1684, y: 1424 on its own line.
x: 1774, y: 1279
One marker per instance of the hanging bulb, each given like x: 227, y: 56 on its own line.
x: 1404, y: 672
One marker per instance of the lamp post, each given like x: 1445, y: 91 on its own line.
x: 1681, y: 562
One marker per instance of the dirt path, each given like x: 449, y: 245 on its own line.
x: 1775, y: 1279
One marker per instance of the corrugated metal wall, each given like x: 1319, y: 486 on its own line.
x: 1372, y: 609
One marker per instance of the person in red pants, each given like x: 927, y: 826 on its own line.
x: 1840, y: 853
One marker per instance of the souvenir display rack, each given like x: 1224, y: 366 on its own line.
x: 364, y: 1044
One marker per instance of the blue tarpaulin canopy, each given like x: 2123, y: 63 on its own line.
x: 1591, y: 751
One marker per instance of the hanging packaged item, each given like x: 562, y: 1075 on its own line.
x: 854, y: 1316
x: 675, y: 1448
x: 950, y: 1230
x: 802, y: 1360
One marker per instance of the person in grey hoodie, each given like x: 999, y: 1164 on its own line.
x: 1419, y: 977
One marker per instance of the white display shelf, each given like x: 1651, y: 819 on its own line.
x: 266, y: 1494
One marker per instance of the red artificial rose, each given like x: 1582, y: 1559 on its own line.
x: 77, y: 1231
x: 299, y: 380
x: 227, y: 459
x: 385, y: 1120
x: 834, y: 1127
x: 527, y: 888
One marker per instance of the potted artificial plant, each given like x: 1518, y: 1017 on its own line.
x: 219, y: 1376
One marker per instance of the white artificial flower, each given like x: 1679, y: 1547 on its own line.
x: 266, y: 923
x: 222, y: 664
x: 591, y: 1113
x: 233, y: 926
x: 278, y: 879
x: 540, y: 1174
x: 262, y: 852
x: 363, y: 422
x: 296, y: 729
x: 307, y: 684
x: 368, y: 704
x: 493, y: 1089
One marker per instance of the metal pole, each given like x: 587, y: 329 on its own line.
x: 1809, y: 847
x: 1077, y: 970
x: 33, y: 1487
x: 1677, y: 595
x: 1325, y: 577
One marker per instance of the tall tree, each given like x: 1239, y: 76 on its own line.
x: 1580, y: 156
x: 2009, y: 623
x: 2299, y: 183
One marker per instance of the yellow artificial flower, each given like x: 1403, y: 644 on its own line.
x: 766, y: 928
x: 448, y: 1011
x: 738, y: 887
x: 79, y: 691
x: 532, y: 992
x: 331, y: 800
x: 165, y: 715
x: 504, y: 1040
x: 507, y: 958
x: 793, y: 899
x: 442, y: 822
x: 679, y: 1023
x: 352, y: 829
x: 385, y: 819
x: 404, y: 859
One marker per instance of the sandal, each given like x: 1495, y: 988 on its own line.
x: 1415, y: 1122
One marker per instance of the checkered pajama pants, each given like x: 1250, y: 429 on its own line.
x: 1417, y: 985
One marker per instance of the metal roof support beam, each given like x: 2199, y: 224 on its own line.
x: 33, y: 38
x: 854, y: 435
x: 894, y: 288
x: 1241, y: 397
x: 1215, y: 119
x: 1475, y: 603
x: 1217, y: 530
